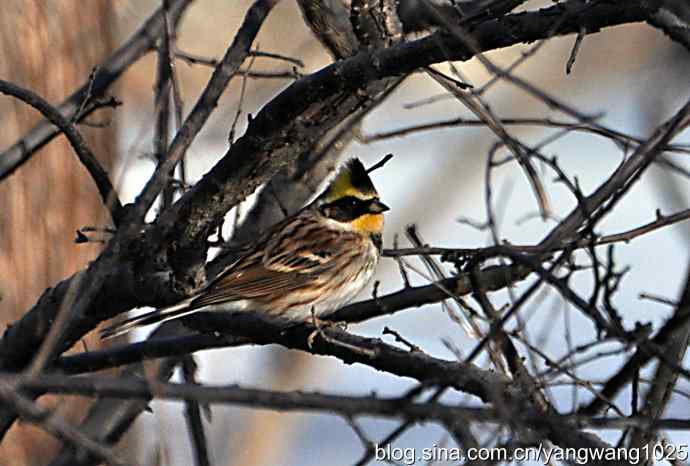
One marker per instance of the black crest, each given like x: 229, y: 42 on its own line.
x: 359, y: 176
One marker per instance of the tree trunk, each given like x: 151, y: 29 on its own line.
x: 50, y: 48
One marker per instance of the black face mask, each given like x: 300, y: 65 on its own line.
x: 349, y: 208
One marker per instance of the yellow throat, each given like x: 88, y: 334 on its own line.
x: 368, y: 223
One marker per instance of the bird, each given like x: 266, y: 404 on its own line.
x: 312, y: 262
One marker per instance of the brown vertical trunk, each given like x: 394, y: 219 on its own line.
x: 50, y: 48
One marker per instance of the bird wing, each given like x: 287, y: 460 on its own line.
x: 287, y: 263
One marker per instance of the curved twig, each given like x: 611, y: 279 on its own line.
x: 105, y: 74
x: 97, y: 172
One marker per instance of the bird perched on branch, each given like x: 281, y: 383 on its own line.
x: 314, y: 261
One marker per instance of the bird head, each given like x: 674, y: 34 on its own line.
x: 352, y: 200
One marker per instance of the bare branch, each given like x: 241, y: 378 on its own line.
x: 55, y: 425
x: 668, y: 333
x: 131, y: 387
x: 143, y: 40
x: 223, y: 73
x: 491, y: 278
x: 193, y: 415
x: 97, y: 172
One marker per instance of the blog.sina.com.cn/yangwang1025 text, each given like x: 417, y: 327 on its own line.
x: 545, y: 455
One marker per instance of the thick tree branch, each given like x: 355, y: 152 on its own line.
x: 491, y: 278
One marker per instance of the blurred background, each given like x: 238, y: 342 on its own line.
x: 633, y: 74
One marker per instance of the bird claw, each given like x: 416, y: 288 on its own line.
x: 311, y: 337
x: 322, y: 325
x: 326, y: 324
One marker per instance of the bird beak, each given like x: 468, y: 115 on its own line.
x: 377, y: 207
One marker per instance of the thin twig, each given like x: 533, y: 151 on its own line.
x: 238, y: 112
x: 576, y: 49
x: 193, y: 415
x: 624, y: 237
x: 193, y: 59
x: 386, y: 158
x: 622, y: 139
x: 223, y: 73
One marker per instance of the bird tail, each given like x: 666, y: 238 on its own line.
x: 158, y: 316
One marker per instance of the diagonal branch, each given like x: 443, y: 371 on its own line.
x: 92, y: 165
x: 208, y: 101
x: 195, y: 423
x: 105, y: 74
x: 55, y: 425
